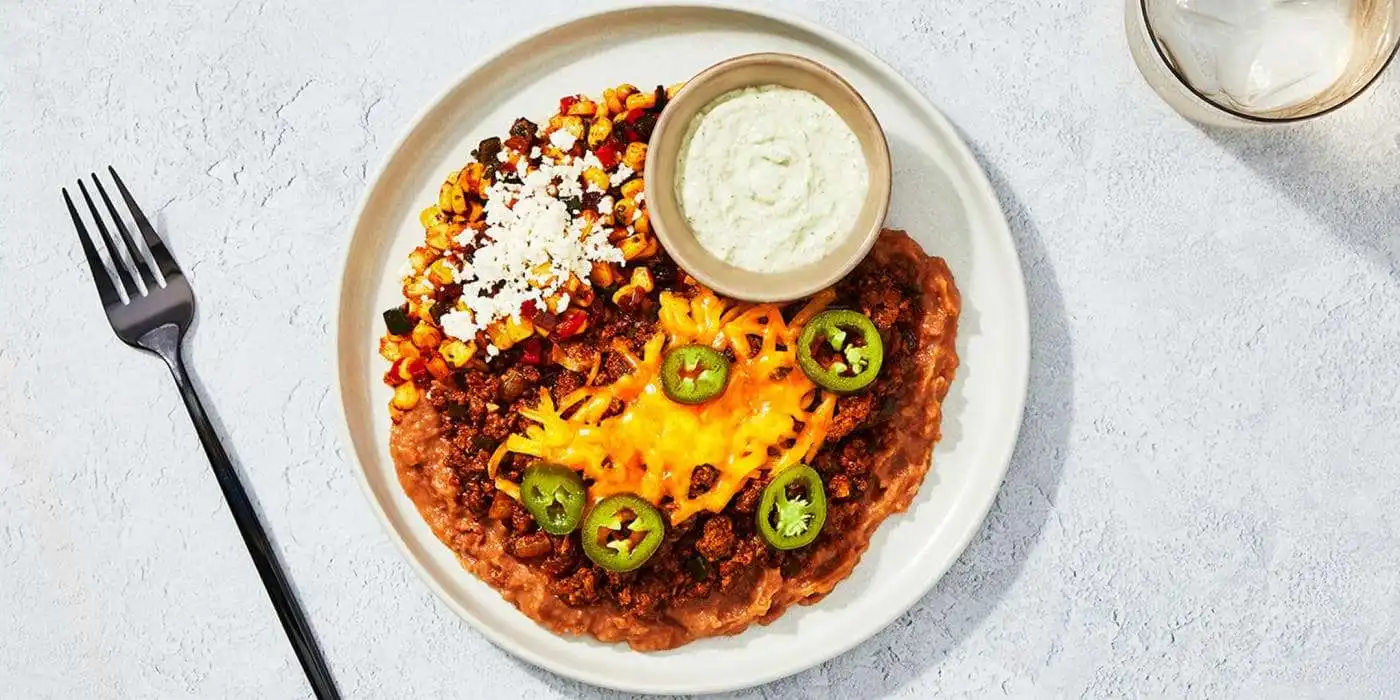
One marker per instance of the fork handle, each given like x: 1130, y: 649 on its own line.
x: 264, y: 556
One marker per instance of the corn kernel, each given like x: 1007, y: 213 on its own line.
x: 505, y: 333
x: 419, y: 258
x: 603, y: 274
x: 430, y: 216
x: 635, y: 157
x: 417, y: 288
x: 389, y: 347
x: 624, y: 90
x: 440, y: 236
x: 632, y: 188
x: 451, y: 198
x: 406, y: 396
x: 475, y: 212
x: 624, y: 210
x: 641, y: 100
x: 583, y: 108
x: 599, y: 131
x: 612, y: 101
x: 574, y: 125
x: 555, y: 123
x: 422, y: 311
x: 633, y: 246
x: 456, y: 352
x: 674, y: 88
x: 641, y: 277
x: 438, y: 368
x: 643, y: 223
x: 651, y: 249
x: 425, y: 336
x: 470, y: 178
x: 595, y: 177
x: 441, y: 272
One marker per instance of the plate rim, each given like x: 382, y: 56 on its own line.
x: 979, y: 183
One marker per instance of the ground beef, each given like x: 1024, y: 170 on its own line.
x: 717, y: 540
x: 565, y: 383
x: 565, y: 557
x: 495, y: 429
x: 582, y: 587
x: 851, y: 414
x: 702, y: 479
x: 746, y: 501
x: 477, y: 494
x: 501, y: 507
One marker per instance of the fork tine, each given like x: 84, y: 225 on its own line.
x: 105, y: 290
x: 113, y: 251
x: 159, y: 252
x: 138, y: 260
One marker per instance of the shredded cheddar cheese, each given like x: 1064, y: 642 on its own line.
x: 770, y: 417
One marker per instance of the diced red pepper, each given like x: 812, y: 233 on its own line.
x: 633, y: 115
x: 416, y: 369
x: 393, y: 377
x: 571, y: 324
x: 532, y: 352
x: 566, y: 102
x: 608, y: 155
x: 528, y: 310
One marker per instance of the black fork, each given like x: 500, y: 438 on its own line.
x: 150, y: 306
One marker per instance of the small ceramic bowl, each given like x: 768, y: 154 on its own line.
x: 663, y: 155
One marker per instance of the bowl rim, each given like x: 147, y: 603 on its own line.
x: 668, y: 220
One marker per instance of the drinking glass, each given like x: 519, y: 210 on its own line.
x: 1261, y: 62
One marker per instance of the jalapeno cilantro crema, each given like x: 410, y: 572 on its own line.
x: 621, y: 532
x: 840, y: 350
x: 555, y: 495
x: 693, y: 374
x: 793, y: 508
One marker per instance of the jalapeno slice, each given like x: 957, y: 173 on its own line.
x: 555, y: 495
x: 793, y: 508
x: 840, y: 350
x: 693, y: 374
x: 621, y: 532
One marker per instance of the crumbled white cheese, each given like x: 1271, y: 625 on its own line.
x: 458, y: 324
x: 491, y: 350
x: 562, y: 304
x: 641, y: 197
x: 529, y: 249
x: 562, y: 139
x: 605, y: 206
x: 622, y: 175
x: 503, y: 155
x: 535, y: 153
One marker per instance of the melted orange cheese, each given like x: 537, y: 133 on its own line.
x: 770, y: 417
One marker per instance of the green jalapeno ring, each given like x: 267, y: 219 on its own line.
x: 788, y: 522
x: 857, y: 352
x: 555, y: 495
x: 694, y: 374
x: 644, y: 530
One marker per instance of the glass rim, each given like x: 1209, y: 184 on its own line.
x: 1176, y: 73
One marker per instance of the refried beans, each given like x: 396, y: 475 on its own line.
x: 714, y: 574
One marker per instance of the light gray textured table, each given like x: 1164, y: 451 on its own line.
x: 1205, y: 500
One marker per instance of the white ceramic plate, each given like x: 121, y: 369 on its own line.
x: 941, y: 197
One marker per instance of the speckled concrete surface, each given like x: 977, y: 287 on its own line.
x: 1204, y: 502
